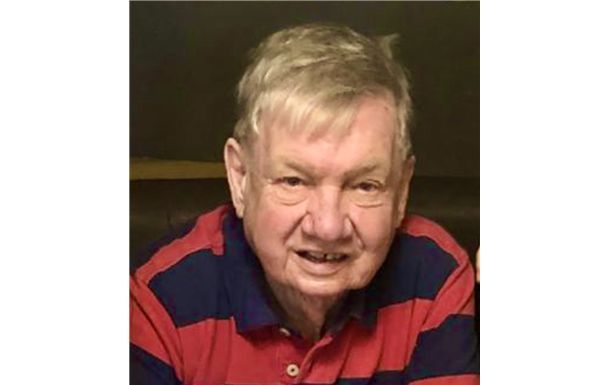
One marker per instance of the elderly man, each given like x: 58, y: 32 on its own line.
x: 314, y: 275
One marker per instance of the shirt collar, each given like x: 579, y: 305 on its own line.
x: 249, y: 295
x: 244, y: 279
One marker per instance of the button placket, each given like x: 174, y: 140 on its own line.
x: 290, y: 354
x: 308, y: 361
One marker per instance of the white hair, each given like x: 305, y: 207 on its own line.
x: 313, y: 75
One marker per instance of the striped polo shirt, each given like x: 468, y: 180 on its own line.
x: 200, y: 314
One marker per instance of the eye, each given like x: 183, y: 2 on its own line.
x: 291, y: 181
x: 368, y: 187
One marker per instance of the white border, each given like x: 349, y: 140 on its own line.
x: 64, y: 154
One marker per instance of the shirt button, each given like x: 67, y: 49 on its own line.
x: 292, y: 370
x: 285, y: 332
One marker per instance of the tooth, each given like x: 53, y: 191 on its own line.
x: 316, y: 255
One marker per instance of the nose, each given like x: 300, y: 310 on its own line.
x: 326, y: 219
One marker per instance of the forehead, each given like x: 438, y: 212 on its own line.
x: 366, y: 139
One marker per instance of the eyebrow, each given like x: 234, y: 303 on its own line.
x: 289, y: 163
x: 369, y: 167
x: 366, y: 169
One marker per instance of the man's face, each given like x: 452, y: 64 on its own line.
x: 320, y: 210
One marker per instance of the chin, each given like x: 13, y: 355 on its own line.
x: 321, y: 290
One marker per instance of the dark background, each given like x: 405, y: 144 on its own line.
x: 187, y: 57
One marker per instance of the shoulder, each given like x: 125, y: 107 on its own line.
x: 203, y: 233
x: 422, y: 230
x: 420, y: 262
x: 185, y: 274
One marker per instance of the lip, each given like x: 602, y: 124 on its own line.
x: 320, y: 269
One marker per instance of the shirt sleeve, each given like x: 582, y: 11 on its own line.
x: 154, y: 344
x: 447, y: 351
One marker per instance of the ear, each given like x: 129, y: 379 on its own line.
x: 235, y: 164
x: 408, y: 168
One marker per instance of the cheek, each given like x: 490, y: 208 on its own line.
x: 375, y: 232
x: 273, y: 223
x: 271, y: 232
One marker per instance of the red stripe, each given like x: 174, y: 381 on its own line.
x: 215, y: 353
x: 206, y: 351
x: 207, y: 233
x: 359, y: 352
x: 463, y: 379
x: 457, y: 294
x: 455, y: 297
x: 151, y: 329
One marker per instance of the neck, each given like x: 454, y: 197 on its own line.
x: 305, y: 314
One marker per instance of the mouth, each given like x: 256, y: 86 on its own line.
x: 318, y: 257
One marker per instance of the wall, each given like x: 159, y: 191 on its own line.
x: 187, y: 57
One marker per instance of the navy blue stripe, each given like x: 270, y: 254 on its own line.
x: 450, y: 349
x: 245, y: 279
x: 193, y: 289
x: 146, y: 369
x: 143, y: 256
x: 378, y: 378
x: 416, y: 267
x: 390, y: 377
